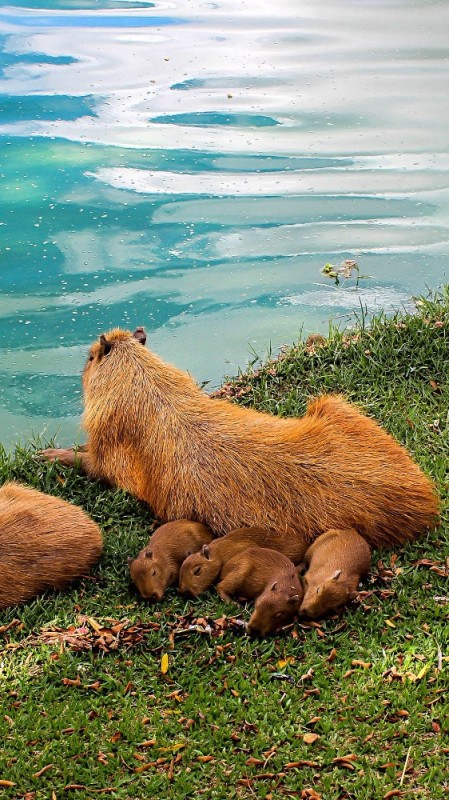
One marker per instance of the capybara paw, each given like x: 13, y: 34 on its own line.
x: 66, y: 457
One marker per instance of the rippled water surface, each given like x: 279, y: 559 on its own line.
x: 191, y: 167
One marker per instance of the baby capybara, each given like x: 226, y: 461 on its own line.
x: 44, y: 543
x: 153, y: 431
x: 336, y: 562
x: 269, y: 576
x: 200, y: 570
x: 157, y: 565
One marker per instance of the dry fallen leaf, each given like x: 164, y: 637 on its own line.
x: 164, y: 663
x: 357, y: 663
x: 310, y: 738
x: 42, y: 771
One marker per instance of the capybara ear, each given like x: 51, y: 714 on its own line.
x: 205, y: 551
x: 318, y: 589
x: 301, y: 568
x: 352, y: 595
x: 336, y: 575
x: 107, y: 346
x: 140, y: 335
x: 130, y: 559
x: 148, y: 554
x: 293, y: 600
x: 187, y: 553
x: 274, y: 587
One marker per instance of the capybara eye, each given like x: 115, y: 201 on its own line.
x: 197, y: 570
x: 91, y: 358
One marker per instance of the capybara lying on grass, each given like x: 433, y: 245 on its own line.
x: 267, y: 576
x: 200, y: 570
x: 152, y: 431
x: 336, y: 562
x: 44, y: 543
x: 157, y: 565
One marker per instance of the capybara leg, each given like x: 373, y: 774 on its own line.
x: 224, y: 595
x: 69, y: 457
x: 229, y: 585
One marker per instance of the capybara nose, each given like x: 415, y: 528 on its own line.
x: 152, y: 597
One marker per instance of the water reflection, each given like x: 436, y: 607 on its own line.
x: 191, y: 168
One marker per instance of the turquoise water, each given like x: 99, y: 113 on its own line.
x: 191, y: 167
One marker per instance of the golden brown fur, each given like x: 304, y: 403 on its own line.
x: 336, y: 562
x: 157, y: 565
x: 152, y: 431
x: 44, y: 543
x: 200, y: 570
x: 269, y: 576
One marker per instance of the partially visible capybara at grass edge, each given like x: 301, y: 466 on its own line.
x: 200, y: 570
x: 336, y: 562
x: 267, y: 576
x: 157, y: 565
x: 45, y: 543
x: 152, y: 431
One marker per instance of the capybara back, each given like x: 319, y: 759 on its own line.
x: 152, y: 431
x: 45, y: 543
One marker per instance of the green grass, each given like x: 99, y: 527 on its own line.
x: 231, y: 712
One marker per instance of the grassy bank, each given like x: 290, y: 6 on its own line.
x: 356, y: 707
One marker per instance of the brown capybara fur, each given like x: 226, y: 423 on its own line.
x: 336, y: 562
x: 157, y: 565
x: 153, y: 431
x: 200, y: 570
x: 269, y: 576
x: 45, y: 543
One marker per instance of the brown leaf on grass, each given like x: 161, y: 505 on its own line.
x: 251, y: 761
x: 146, y: 766
x: 205, y: 759
x: 147, y: 743
x: 303, y: 763
x: 7, y: 784
x: 310, y: 738
x: 310, y: 794
x: 263, y: 776
x: 357, y: 663
x: 393, y: 793
x: 42, y: 771
x: 345, y: 761
x: 71, y: 682
x: 332, y: 656
x: 72, y: 787
x: 4, y: 628
x: 116, y: 736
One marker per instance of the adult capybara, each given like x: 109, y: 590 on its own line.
x: 44, y: 543
x: 157, y: 565
x: 200, y: 570
x: 269, y: 576
x: 152, y: 431
x: 336, y: 562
